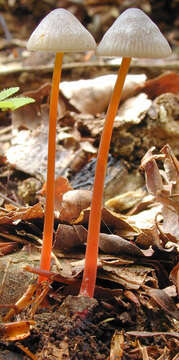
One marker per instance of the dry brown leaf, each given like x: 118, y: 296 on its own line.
x: 73, y: 236
x: 92, y: 96
x: 15, y: 331
x: 32, y: 212
x: 114, y: 244
x: 162, y: 188
x: 117, y: 346
x: 133, y: 110
x: 7, y: 247
x: 30, y: 116
x: 131, y: 277
x: 165, y: 83
x: 125, y: 201
x: 164, y: 301
x: 50, y: 275
x: 152, y: 333
x: 114, y: 221
x: 28, y: 151
x: 24, y: 301
x: 170, y: 162
x: 61, y: 186
x: 52, y: 351
x: 174, y: 276
x: 68, y: 237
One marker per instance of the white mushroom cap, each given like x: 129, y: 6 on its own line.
x: 134, y: 34
x: 61, y: 31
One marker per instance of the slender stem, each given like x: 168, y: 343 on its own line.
x: 50, y: 189
x: 90, y: 270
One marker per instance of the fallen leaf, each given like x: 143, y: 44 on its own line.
x: 32, y: 212
x: 165, y: 83
x: 52, y: 351
x: 125, y: 201
x: 164, y: 301
x: 69, y: 237
x: 152, y: 333
x: 23, y: 302
x: 7, y: 247
x: 117, y: 346
x: 92, y: 96
x: 114, y: 221
x: 131, y: 277
x: 30, y: 116
x: 61, y: 186
x: 15, y: 331
x: 174, y: 276
x: 114, y: 244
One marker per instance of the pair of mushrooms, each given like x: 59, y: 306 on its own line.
x: 133, y: 34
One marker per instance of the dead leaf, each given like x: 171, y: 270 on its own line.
x: 23, y: 302
x: 29, y: 148
x: 114, y: 244
x: 32, y: 212
x: 117, y: 346
x: 165, y: 83
x: 164, y: 301
x: 7, y: 247
x: 50, y: 275
x: 152, y: 333
x: 92, y: 96
x: 131, y: 277
x: 61, y: 186
x: 114, y: 221
x: 133, y: 110
x: 125, y: 201
x: 16, y: 331
x: 69, y: 237
x: 174, y: 276
x: 52, y: 351
x: 30, y: 116
x: 152, y: 174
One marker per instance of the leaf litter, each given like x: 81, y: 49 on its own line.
x: 135, y: 312
x: 136, y: 277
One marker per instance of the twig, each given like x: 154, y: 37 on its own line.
x: 9, y: 200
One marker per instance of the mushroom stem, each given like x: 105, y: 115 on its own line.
x: 91, y: 257
x: 50, y: 188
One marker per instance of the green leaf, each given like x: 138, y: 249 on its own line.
x: 15, y: 103
x: 8, y: 92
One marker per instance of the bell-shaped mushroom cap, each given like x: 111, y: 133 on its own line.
x: 134, y: 34
x: 61, y: 31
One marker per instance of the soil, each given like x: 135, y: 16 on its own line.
x: 82, y: 328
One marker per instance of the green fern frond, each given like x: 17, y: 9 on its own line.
x: 4, y: 94
x: 15, y: 102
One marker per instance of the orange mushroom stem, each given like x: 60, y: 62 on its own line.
x: 132, y: 34
x: 59, y: 31
x: 90, y: 270
x: 50, y: 187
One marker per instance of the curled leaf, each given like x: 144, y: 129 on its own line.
x: 164, y: 301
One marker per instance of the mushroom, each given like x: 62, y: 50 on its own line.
x: 59, y: 32
x: 132, y: 34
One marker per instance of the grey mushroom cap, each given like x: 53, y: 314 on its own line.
x: 134, y: 34
x: 61, y: 31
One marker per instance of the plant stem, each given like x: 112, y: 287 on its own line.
x: 90, y: 270
x: 50, y: 188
